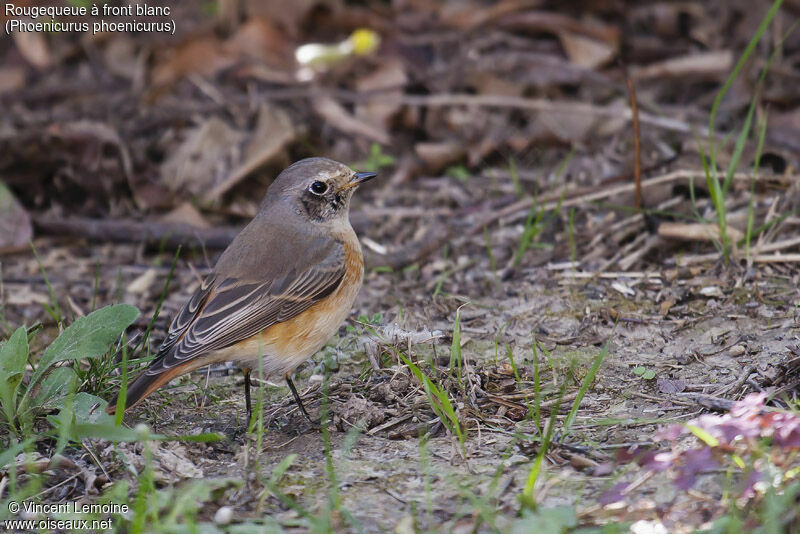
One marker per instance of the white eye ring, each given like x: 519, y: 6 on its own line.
x: 318, y: 188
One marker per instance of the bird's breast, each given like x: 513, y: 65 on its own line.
x: 284, y: 346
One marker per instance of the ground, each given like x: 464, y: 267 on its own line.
x: 547, y: 285
x: 403, y: 464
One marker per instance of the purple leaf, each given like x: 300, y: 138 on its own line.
x: 661, y: 461
x: 613, y: 494
x: 669, y: 433
x: 749, y: 490
x: 667, y: 385
x: 750, y: 406
x: 604, y: 468
x: 694, y: 462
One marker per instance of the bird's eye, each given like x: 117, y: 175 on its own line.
x: 318, y: 188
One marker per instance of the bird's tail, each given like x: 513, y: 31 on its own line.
x: 144, y: 385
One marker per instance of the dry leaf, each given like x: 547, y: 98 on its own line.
x: 567, y: 126
x: 24, y: 295
x: 438, y: 155
x: 11, y: 79
x: 665, y: 306
x: 143, y: 282
x: 338, y: 117
x: 15, y: 223
x: 586, y: 51
x: 259, y: 38
x: 287, y: 15
x: 666, y: 385
x: 33, y: 47
x: 198, y: 164
x: 696, y: 232
x: 705, y: 65
x: 379, y: 111
x: 204, y: 55
x: 122, y: 58
x: 187, y: 214
x: 274, y: 130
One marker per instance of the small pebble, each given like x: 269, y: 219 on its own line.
x: 737, y: 350
x: 224, y: 515
x: 712, y: 291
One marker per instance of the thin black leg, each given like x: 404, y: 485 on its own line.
x: 247, y: 395
x: 298, y: 401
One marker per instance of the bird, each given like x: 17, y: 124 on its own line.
x: 278, y: 293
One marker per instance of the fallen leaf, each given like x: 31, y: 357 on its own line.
x: 697, y: 232
x: 15, y: 223
x: 172, y: 463
x: 704, y: 65
x: 567, y: 126
x: 736, y: 351
x: 33, y: 47
x: 287, y: 15
x: 783, y: 129
x: 437, y: 155
x: 339, y: 118
x: 259, y: 38
x: 623, y: 289
x: 712, y: 291
x: 23, y: 295
x: 186, y: 213
x: 587, y: 52
x: 274, y: 130
x: 11, y: 79
x: 665, y: 306
x: 198, y: 164
x: 466, y: 15
x: 204, y: 55
x: 142, y: 283
x: 668, y: 385
x: 122, y: 58
x: 389, y: 78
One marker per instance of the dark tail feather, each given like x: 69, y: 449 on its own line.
x: 143, y: 386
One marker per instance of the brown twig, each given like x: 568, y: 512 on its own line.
x: 131, y: 231
x: 172, y: 235
x: 637, y: 148
x: 586, y: 195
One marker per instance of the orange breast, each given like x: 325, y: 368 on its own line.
x: 286, y: 345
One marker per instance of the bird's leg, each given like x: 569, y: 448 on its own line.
x: 297, y: 399
x: 247, y: 395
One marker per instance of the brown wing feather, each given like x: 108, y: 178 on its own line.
x: 260, y: 280
x: 232, y: 310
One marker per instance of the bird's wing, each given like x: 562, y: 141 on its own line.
x: 227, y: 310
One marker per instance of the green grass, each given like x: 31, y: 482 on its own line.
x: 53, y: 309
x: 537, y: 219
x: 456, y: 358
x: 51, y: 408
x: 439, y: 400
x: 717, y: 189
x: 88, y: 338
x: 527, y: 498
x: 376, y: 160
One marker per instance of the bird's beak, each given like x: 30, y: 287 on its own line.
x: 361, y: 177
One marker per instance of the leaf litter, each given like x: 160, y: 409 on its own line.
x: 477, y: 118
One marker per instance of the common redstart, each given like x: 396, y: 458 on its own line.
x: 279, y: 291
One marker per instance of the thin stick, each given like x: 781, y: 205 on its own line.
x: 637, y: 145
